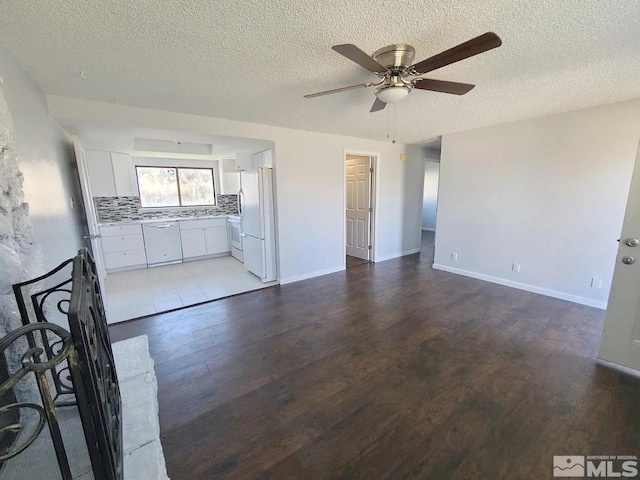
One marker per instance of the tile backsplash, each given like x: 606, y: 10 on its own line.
x: 118, y: 209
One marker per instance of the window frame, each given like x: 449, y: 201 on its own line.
x: 177, y: 169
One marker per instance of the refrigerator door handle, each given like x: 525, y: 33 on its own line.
x: 261, y: 200
x: 240, y: 193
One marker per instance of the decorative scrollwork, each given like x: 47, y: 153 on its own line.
x: 64, y: 379
x: 30, y: 359
x: 38, y: 312
x: 80, y: 362
x: 18, y: 427
x: 100, y: 390
x: 61, y: 309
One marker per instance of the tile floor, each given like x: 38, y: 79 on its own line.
x: 137, y: 293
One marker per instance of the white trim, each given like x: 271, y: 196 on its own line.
x: 428, y: 229
x: 397, y: 255
x: 306, y: 276
x: 523, y: 286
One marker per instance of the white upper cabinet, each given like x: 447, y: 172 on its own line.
x: 230, y: 183
x: 111, y: 174
x: 100, y: 174
x: 244, y: 162
x: 124, y: 175
x: 267, y: 158
x: 262, y: 159
x: 251, y: 162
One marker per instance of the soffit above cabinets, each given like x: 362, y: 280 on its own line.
x: 171, y: 146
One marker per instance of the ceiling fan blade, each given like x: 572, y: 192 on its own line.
x: 354, y: 54
x: 377, y: 106
x: 336, y: 90
x: 442, y: 86
x: 468, y: 49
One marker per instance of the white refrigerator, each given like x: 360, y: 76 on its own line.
x: 258, y: 223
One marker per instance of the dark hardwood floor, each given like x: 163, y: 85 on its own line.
x: 388, y: 370
x: 355, y: 261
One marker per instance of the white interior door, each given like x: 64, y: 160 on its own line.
x: 358, y: 222
x: 90, y: 211
x: 621, y: 334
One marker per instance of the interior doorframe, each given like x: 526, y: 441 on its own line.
x: 373, y: 196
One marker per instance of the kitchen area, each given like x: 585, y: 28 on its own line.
x: 175, y: 229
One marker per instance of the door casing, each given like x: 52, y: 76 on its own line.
x: 373, y: 193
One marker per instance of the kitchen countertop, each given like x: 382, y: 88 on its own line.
x: 160, y: 220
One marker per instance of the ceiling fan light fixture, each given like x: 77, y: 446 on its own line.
x: 392, y: 93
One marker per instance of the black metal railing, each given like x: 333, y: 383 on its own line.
x: 43, y: 303
x: 81, y: 360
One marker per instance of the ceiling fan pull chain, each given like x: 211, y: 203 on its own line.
x: 388, y: 116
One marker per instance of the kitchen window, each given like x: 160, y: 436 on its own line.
x: 175, y: 187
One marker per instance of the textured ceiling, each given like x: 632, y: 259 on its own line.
x: 254, y: 60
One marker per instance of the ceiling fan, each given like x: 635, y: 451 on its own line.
x: 392, y: 64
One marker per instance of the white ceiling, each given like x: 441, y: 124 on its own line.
x: 254, y: 60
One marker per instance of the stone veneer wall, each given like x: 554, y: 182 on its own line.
x: 20, y: 256
x: 128, y: 208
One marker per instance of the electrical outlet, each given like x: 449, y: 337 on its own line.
x: 454, y: 256
x: 114, y: 202
x: 596, y: 282
x: 515, y: 267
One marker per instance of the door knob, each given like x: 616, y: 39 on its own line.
x: 628, y: 260
x: 632, y: 242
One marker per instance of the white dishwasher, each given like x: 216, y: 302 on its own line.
x: 162, y: 242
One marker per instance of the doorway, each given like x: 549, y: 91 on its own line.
x: 430, y: 205
x: 359, y: 170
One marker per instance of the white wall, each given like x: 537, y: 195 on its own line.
x: 548, y: 193
x: 310, y: 183
x: 431, y: 155
x: 430, y: 195
x: 51, y: 182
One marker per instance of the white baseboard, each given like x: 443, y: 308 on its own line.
x: 306, y: 276
x: 425, y: 229
x: 523, y: 286
x: 397, y: 255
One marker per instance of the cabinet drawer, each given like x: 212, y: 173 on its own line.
x: 116, y: 230
x: 208, y: 223
x: 122, y: 243
x: 125, y: 259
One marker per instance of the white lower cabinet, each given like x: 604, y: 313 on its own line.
x: 204, y: 237
x: 193, y: 243
x: 133, y: 258
x: 217, y: 240
x: 123, y: 246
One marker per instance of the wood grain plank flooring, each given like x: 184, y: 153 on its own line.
x: 388, y: 370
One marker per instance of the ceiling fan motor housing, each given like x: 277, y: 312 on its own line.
x: 397, y: 57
